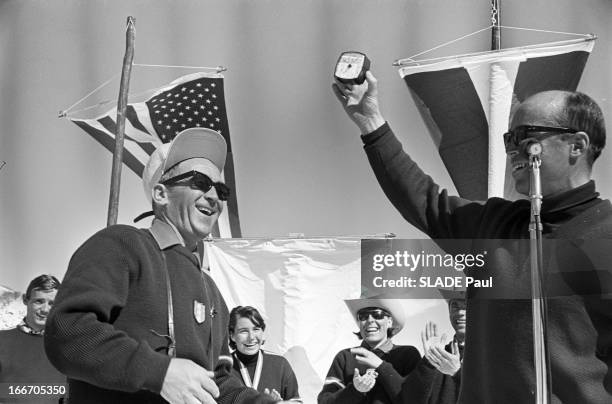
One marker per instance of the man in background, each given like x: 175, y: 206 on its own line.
x: 437, y: 378
x: 22, y: 356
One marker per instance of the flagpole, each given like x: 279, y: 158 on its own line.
x: 495, y: 24
x: 113, y: 201
x: 498, y: 111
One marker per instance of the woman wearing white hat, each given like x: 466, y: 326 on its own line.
x: 374, y: 371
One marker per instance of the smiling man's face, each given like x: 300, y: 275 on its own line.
x: 191, y: 210
x: 556, y: 171
x: 38, y: 305
x: 457, y: 313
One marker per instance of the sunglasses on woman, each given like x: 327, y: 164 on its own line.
x: 200, y: 181
x: 377, y: 314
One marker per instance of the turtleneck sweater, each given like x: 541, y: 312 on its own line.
x: 276, y: 373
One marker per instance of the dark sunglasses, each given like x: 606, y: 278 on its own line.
x: 201, y: 182
x: 514, y: 137
x: 377, y: 314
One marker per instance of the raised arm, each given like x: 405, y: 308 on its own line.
x: 413, y: 193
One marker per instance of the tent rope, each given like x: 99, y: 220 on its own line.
x: 487, y: 28
x: 64, y: 113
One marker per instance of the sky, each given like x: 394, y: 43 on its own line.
x: 299, y: 163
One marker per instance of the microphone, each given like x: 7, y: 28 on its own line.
x: 532, y: 147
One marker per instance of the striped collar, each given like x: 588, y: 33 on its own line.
x: 25, y: 328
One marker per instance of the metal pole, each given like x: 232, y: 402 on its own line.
x: 113, y: 201
x: 538, y: 302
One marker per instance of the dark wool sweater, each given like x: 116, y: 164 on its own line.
x: 276, y: 373
x: 398, y: 361
x: 23, y: 360
x: 498, y: 363
x: 104, y: 329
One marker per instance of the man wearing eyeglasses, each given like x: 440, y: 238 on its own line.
x: 498, y: 363
x: 138, y: 318
x: 372, y: 372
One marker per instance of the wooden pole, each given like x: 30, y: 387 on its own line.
x: 113, y: 200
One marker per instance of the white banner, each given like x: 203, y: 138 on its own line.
x: 299, y: 286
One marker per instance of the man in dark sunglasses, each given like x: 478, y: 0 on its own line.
x: 498, y: 359
x: 372, y: 372
x: 138, y: 319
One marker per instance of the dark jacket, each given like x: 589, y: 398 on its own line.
x: 105, y: 331
x: 276, y: 373
x: 338, y: 388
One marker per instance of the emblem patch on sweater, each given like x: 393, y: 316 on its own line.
x: 199, y: 311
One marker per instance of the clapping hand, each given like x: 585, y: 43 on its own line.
x: 364, y: 383
x: 366, y: 357
x: 274, y: 394
x: 448, y: 363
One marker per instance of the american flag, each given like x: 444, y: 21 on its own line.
x: 195, y: 100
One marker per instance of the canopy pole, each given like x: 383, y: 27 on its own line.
x: 495, y: 24
x: 113, y: 201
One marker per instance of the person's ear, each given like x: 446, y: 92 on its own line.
x: 159, y: 194
x: 579, y: 144
x: 25, y: 299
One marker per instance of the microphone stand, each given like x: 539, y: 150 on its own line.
x: 538, y: 302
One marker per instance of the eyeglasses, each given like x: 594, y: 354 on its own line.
x: 201, y: 182
x: 514, y: 137
x: 377, y: 314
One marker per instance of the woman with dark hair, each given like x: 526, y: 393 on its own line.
x: 262, y: 371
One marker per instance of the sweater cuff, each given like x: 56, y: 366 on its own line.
x: 155, y: 370
x: 427, y: 363
x: 372, y: 137
x: 385, y: 368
